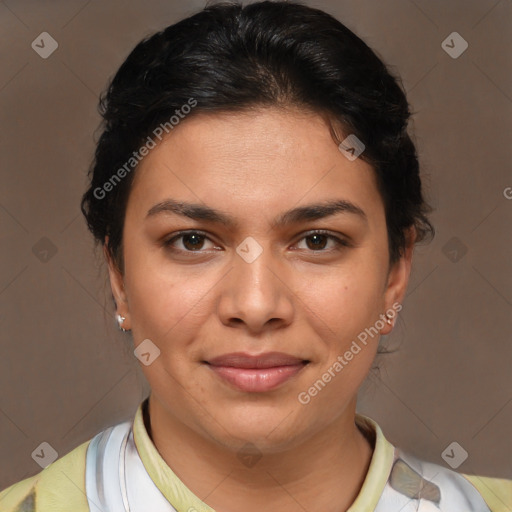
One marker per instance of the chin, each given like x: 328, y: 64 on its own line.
x: 266, y: 428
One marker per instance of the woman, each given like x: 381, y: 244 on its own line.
x: 258, y: 200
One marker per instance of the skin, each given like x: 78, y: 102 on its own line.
x: 199, y: 304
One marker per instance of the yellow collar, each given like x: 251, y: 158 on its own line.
x: 183, y: 499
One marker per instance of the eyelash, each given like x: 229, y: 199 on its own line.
x: 341, y: 243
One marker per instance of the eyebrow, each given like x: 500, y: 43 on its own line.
x: 302, y: 213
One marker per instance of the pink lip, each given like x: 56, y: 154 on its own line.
x: 257, y: 373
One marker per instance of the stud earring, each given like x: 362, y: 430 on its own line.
x: 120, y: 320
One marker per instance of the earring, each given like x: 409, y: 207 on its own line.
x: 389, y: 321
x: 120, y: 320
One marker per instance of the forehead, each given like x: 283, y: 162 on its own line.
x: 247, y: 160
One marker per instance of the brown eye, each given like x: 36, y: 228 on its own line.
x: 191, y: 241
x: 318, y: 240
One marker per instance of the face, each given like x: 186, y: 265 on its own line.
x: 254, y: 269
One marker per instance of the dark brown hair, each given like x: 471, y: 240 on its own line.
x: 228, y: 57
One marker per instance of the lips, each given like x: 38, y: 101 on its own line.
x: 267, y: 360
x: 256, y: 373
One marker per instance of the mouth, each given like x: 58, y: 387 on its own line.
x: 256, y: 373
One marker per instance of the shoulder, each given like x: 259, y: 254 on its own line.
x: 59, y: 487
x: 497, y: 492
x: 432, y: 487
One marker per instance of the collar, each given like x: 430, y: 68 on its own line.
x: 183, y: 499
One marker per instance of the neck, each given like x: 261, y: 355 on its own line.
x: 325, y: 472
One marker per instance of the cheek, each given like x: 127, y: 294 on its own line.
x: 343, y: 312
x: 345, y: 301
x: 165, y: 300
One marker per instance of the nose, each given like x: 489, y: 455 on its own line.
x: 255, y: 294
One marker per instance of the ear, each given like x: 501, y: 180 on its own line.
x: 117, y: 285
x: 398, y: 278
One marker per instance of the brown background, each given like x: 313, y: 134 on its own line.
x: 66, y: 372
